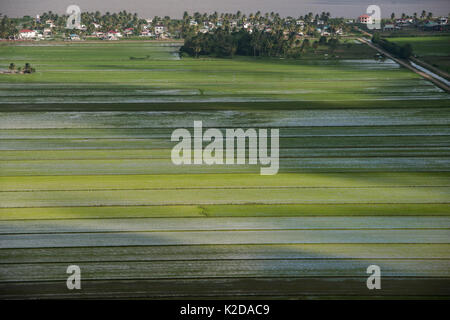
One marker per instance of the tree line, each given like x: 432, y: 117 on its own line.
x: 222, y: 43
x: 402, y: 51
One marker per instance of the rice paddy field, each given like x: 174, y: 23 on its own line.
x: 86, y: 177
x: 434, y: 50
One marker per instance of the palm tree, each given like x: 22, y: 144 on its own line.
x: 186, y: 17
x: 423, y: 14
x: 27, y: 68
x: 197, y: 46
x: 305, y: 44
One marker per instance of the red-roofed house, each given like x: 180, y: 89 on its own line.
x: 146, y: 33
x: 113, y: 35
x: 365, y: 19
x: 27, y: 34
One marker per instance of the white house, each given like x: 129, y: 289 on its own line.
x: 145, y: 33
x: 389, y: 27
x: 443, y: 20
x: 401, y: 22
x: 50, y: 23
x: 159, y: 29
x: 27, y: 34
x: 113, y: 35
x: 47, y: 32
x: 98, y: 34
x: 74, y: 37
x: 129, y: 31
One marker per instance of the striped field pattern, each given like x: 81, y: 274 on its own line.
x: 357, y: 186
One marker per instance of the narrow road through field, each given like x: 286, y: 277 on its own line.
x: 427, y: 76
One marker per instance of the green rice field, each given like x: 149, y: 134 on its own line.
x: 86, y: 177
x: 434, y: 50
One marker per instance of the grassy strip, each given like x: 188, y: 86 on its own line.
x: 274, y: 118
x: 100, y: 212
x: 208, y: 252
x: 111, y: 154
x: 302, y: 142
x: 328, y: 210
x: 165, y: 166
x: 291, y: 210
x: 183, y: 181
x: 136, y: 197
x: 142, y: 133
x: 387, y: 236
x: 201, y: 106
x: 225, y: 196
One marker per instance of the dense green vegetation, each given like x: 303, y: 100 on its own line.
x: 402, y: 51
x: 222, y: 43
